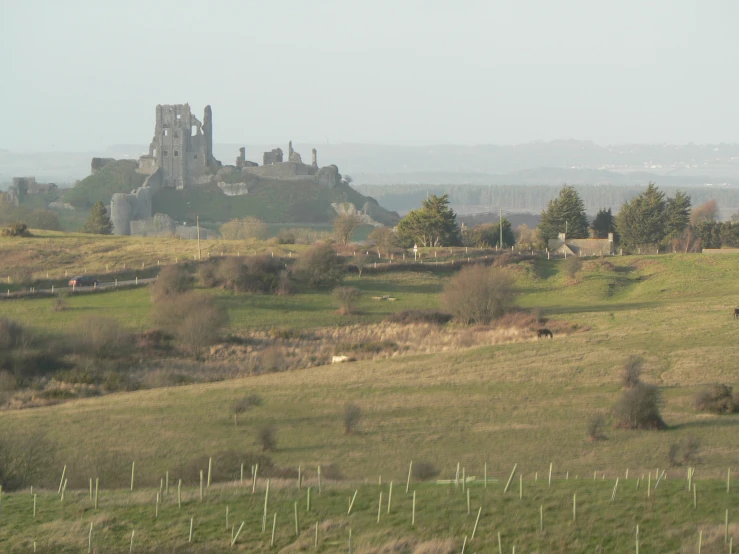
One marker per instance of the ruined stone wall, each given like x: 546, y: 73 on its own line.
x: 125, y: 208
x: 284, y: 170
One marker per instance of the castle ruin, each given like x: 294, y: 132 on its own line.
x: 181, y: 157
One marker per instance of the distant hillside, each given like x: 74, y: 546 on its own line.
x: 270, y: 200
x: 118, y: 176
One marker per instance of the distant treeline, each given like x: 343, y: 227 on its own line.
x: 534, y: 198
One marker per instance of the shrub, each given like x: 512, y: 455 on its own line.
x: 8, y: 383
x: 407, y: 317
x: 102, y: 337
x: 571, y: 266
x: 60, y: 302
x: 596, y: 424
x: 719, y: 399
x: 271, y: 359
x: 319, y: 266
x: 285, y: 286
x: 25, y: 459
x: 384, y: 238
x: 195, y: 320
x: 207, y: 274
x: 424, y: 471
x: 347, y: 298
x: 352, y: 415
x: 345, y: 224
x: 685, y: 452
x: 285, y: 237
x: 18, y: 229
x: 247, y: 228
x: 243, y: 404
x: 631, y: 371
x: 639, y: 408
x: 12, y: 335
x: 267, y: 437
x: 172, y: 279
x: 250, y: 274
x: 478, y: 294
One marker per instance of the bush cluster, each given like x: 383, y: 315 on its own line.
x: 320, y: 266
x: 718, y: 399
x: 261, y: 274
x: 18, y: 229
x: 407, y: 317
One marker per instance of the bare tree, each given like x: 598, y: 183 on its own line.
x: 705, y: 213
x: 345, y: 224
x: 478, y: 294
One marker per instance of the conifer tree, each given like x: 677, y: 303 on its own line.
x: 642, y: 220
x: 99, y: 222
x: 434, y: 224
x: 603, y: 224
x: 565, y: 214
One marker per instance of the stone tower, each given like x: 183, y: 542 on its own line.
x: 182, y: 147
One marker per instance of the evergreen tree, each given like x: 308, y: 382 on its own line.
x: 642, y: 220
x: 434, y: 224
x: 565, y: 214
x: 99, y: 222
x: 677, y: 214
x: 603, y: 224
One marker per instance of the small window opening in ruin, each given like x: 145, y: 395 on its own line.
x: 166, y: 131
x: 193, y: 130
x: 164, y: 152
x: 194, y: 156
x: 154, y: 152
x: 178, y: 116
x: 176, y: 153
x: 176, y: 134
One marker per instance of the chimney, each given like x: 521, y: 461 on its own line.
x: 610, y: 237
x: 562, y: 237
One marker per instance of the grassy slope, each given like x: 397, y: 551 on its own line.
x: 118, y: 176
x: 53, y: 252
x: 532, y: 398
x: 271, y: 201
x: 667, y: 520
x: 525, y: 403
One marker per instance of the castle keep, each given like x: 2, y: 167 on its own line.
x: 182, y: 147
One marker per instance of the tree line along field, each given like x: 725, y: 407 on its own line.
x: 525, y: 402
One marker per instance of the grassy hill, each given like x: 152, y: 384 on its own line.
x: 272, y: 201
x: 486, y: 408
x: 117, y: 176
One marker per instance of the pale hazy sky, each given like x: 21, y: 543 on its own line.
x: 78, y: 74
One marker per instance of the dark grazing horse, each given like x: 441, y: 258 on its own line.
x: 736, y: 313
x: 544, y: 333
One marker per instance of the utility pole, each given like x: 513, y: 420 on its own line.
x: 500, y: 226
x: 197, y: 218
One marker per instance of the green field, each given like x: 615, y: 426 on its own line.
x: 540, y: 518
x: 526, y: 402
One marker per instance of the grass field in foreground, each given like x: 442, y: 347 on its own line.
x: 542, y: 520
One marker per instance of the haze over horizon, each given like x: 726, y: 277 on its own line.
x: 83, y: 75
